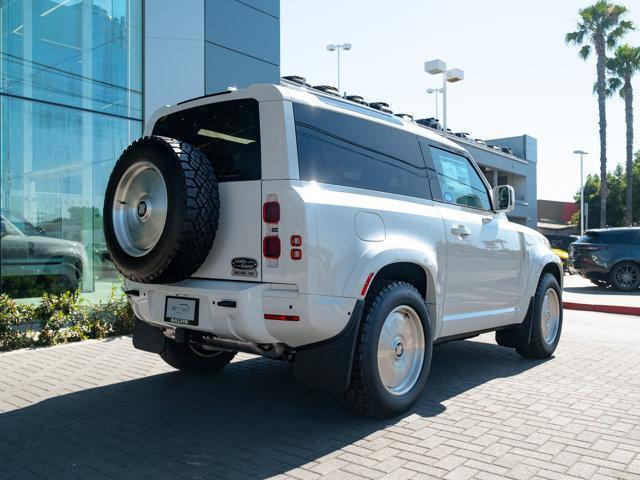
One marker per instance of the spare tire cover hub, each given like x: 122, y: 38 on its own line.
x: 140, y: 208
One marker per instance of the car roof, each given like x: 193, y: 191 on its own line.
x: 310, y: 96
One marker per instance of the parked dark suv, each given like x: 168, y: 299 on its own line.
x: 608, y: 256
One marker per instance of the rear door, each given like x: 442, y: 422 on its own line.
x: 228, y: 132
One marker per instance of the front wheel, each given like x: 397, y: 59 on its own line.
x: 191, y: 357
x: 546, y: 320
x: 393, y: 351
x: 625, y: 276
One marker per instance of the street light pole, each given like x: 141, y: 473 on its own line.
x: 582, y: 153
x: 436, y: 91
x: 435, y: 67
x: 338, y: 46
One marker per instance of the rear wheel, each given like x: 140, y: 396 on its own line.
x: 191, y: 357
x: 625, y: 276
x: 393, y: 352
x: 546, y: 320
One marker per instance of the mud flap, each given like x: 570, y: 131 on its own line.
x: 326, y: 365
x: 147, y: 337
x: 517, y: 336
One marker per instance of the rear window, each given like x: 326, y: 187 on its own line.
x: 339, y: 149
x: 227, y: 132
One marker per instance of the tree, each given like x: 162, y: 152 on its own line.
x: 623, y: 66
x: 600, y: 28
x: 617, y: 182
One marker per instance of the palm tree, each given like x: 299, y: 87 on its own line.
x: 600, y: 28
x: 622, y: 67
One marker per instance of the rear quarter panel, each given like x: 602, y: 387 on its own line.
x: 343, y: 250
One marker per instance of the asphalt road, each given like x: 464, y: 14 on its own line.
x: 102, y: 410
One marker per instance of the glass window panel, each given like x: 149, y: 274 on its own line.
x: 459, y: 181
x: 70, y: 102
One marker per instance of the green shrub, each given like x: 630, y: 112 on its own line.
x: 11, y: 315
x: 62, y: 318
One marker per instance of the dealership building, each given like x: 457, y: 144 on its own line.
x: 78, y: 78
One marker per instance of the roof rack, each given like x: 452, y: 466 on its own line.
x: 405, y: 116
x: 330, y: 89
x: 382, y: 106
x: 356, y: 99
x: 297, y: 79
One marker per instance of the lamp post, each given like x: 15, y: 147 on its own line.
x: 436, y: 91
x: 582, y: 153
x: 337, y: 47
x: 436, y: 67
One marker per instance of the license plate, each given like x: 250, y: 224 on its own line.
x: 181, y: 311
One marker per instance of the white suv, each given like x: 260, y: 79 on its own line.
x: 291, y: 223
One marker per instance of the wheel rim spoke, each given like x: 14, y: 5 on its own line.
x: 401, y: 348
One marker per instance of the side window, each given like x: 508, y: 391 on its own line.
x: 339, y: 149
x: 459, y: 182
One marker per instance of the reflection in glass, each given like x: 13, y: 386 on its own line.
x: 70, y: 102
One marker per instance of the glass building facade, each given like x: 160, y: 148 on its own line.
x: 70, y: 102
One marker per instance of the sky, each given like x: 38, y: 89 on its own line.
x: 520, y: 76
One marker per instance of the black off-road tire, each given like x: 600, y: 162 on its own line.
x: 625, y: 288
x: 537, y: 347
x: 192, y: 211
x: 366, y: 394
x: 183, y: 357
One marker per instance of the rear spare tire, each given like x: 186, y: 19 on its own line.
x: 161, y: 210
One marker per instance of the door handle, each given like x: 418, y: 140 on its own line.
x: 460, y: 230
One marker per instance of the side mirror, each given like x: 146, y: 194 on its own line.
x: 504, y: 198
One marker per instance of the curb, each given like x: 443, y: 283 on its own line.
x: 617, y: 309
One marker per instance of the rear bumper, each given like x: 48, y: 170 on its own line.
x: 588, y: 269
x: 320, y: 317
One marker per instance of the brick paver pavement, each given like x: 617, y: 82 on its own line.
x: 103, y: 410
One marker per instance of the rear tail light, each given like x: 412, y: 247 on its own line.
x: 296, y: 254
x: 271, y: 247
x: 271, y: 212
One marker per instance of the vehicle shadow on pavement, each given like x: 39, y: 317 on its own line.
x: 249, y: 421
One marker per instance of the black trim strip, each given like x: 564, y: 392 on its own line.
x: 203, y: 96
x: 463, y: 336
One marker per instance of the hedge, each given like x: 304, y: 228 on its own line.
x: 62, y: 318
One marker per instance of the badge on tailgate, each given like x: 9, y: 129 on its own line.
x: 244, y: 267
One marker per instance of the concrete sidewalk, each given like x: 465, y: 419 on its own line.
x: 580, y: 294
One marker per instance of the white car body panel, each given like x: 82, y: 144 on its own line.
x: 480, y: 282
